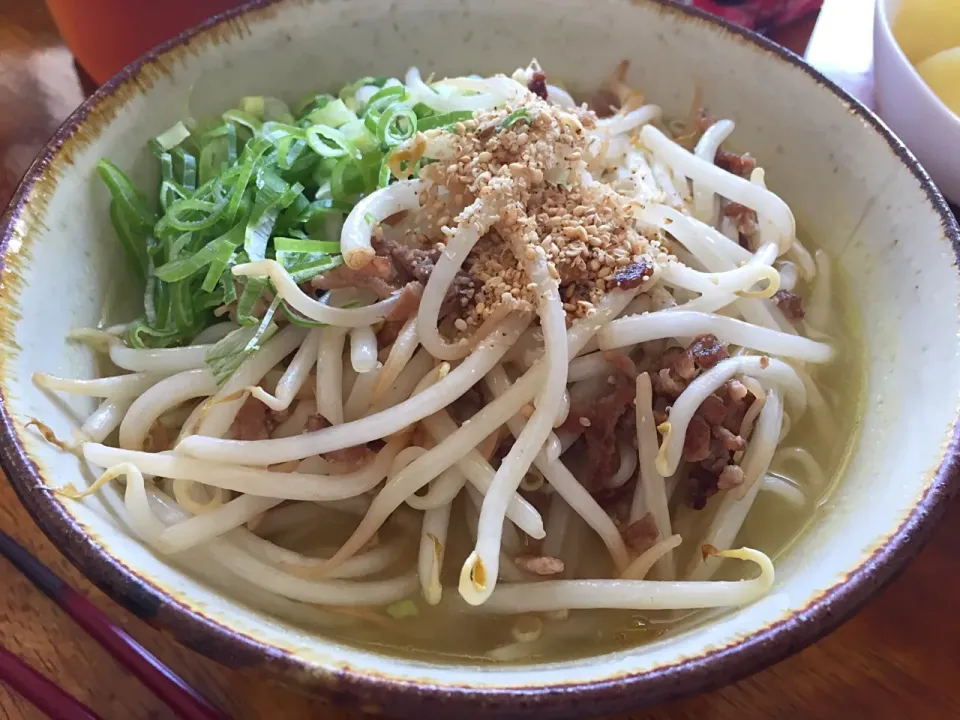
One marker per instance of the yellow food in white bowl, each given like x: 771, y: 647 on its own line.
x: 917, y: 77
x: 926, y: 27
x: 942, y: 73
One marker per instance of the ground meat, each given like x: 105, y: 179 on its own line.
x: 316, y: 422
x: 622, y: 362
x: 642, y: 534
x: 676, y: 368
x: 696, y: 443
x: 632, y: 276
x: 736, y: 404
x: 665, y: 384
x: 408, y: 303
x: 741, y: 165
x: 538, y: 84
x: 712, y: 439
x: 605, y: 102
x: 713, y: 410
x: 417, y: 264
x: 158, y: 439
x: 790, y: 304
x: 702, y: 121
x: 736, y: 390
x: 598, y: 422
x: 539, y: 564
x: 730, y: 477
x: 706, y: 351
x: 730, y: 440
x: 746, y: 219
x: 253, y: 421
x: 352, y: 458
x: 378, y: 275
x: 701, y: 485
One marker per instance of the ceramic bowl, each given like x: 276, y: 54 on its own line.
x: 906, y: 103
x: 853, y: 186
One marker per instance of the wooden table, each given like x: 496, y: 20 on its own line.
x: 897, y: 658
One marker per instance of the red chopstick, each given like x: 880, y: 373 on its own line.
x: 186, y: 702
x: 43, y: 694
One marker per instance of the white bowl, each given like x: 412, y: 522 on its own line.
x: 853, y: 186
x: 908, y: 105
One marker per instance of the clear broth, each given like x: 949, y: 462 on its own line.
x: 447, y: 633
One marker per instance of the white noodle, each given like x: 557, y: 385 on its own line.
x: 372, y: 427
x: 563, y: 481
x: 650, y: 494
x: 288, y: 486
x: 161, y: 360
x: 165, y: 395
x: 293, y: 377
x: 363, y: 349
x: 480, y: 474
x: 357, y: 229
x: 315, y: 309
x: 478, y: 577
x: 704, y: 201
x: 472, y: 223
x: 330, y: 374
x: 681, y: 323
x: 767, y: 371
x: 639, y: 568
x: 401, y: 352
x: 786, y: 491
x: 632, y: 594
x: 733, y: 187
x: 219, y: 415
x: 626, y: 122
x: 732, y: 511
x: 116, y: 387
x: 104, y: 420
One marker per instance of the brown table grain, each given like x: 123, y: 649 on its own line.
x: 898, y: 658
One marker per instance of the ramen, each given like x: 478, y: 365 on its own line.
x: 464, y: 366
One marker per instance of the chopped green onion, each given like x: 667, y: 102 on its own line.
x: 228, y: 354
x: 398, y: 123
x: 209, y: 213
x: 333, y: 114
x: 383, y: 180
x: 161, y: 337
x: 188, y: 164
x: 299, y: 320
x: 515, y: 117
x: 261, y: 222
x: 444, y: 120
x: 134, y: 246
x: 305, y: 246
x: 130, y: 203
x: 310, y: 102
x: 172, y: 137
x: 330, y: 143
x: 252, y: 105
x: 304, y: 266
x: 182, y: 269
x: 265, y: 322
x: 251, y: 155
x: 242, y: 118
x: 252, y: 290
x: 403, y: 609
x: 363, y: 138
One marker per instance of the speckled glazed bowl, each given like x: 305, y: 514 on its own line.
x: 852, y: 185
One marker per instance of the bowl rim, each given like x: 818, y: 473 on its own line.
x: 707, y: 671
x: 884, y: 32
